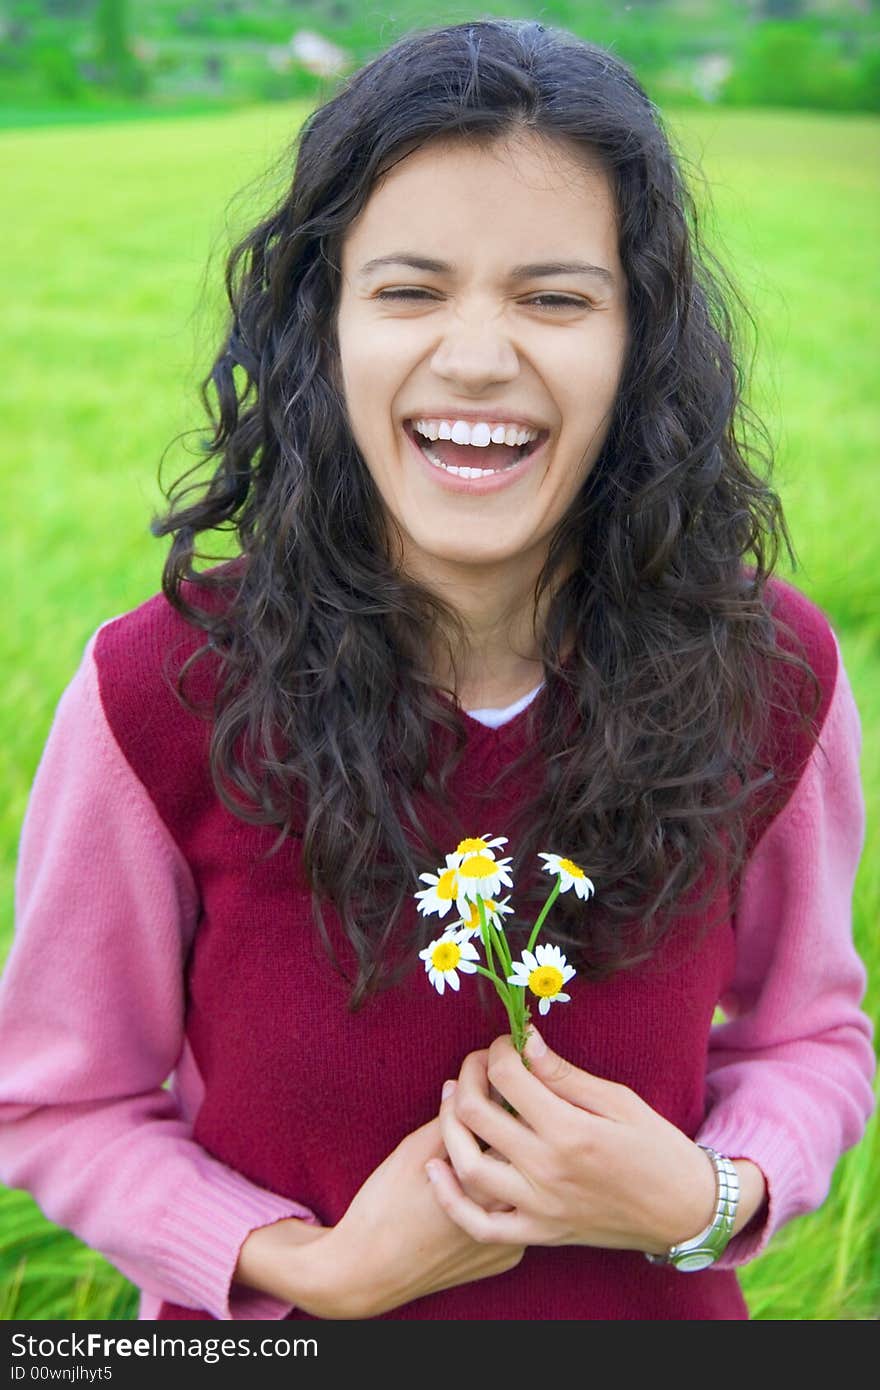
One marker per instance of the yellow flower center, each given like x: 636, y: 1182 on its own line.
x: 470, y: 847
x: 574, y: 869
x: 445, y: 956
x: 446, y: 886
x: 474, y: 918
x: 478, y: 866
x: 545, y: 981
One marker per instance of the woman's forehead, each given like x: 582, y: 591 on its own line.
x: 556, y: 160
x: 511, y: 188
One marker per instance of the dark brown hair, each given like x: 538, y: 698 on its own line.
x: 324, y: 711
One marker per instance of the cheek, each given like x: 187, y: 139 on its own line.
x: 369, y: 385
x: 603, y: 368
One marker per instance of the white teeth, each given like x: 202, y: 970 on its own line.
x: 460, y: 472
x: 479, y: 435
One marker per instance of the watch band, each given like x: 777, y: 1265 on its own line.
x: 704, y: 1249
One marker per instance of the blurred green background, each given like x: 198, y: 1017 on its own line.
x: 112, y: 288
x: 71, y: 58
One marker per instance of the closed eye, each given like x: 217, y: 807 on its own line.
x: 550, y: 301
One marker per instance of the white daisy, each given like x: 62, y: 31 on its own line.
x: 470, y: 922
x: 445, y: 957
x: 480, y: 844
x: 570, y: 875
x: 443, y: 891
x: 544, y: 973
x: 479, y: 875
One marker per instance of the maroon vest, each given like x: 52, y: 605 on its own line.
x: 306, y: 1099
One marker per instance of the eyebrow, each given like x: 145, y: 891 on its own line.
x: 534, y: 270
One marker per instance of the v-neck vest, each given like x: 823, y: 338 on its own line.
x: 305, y: 1098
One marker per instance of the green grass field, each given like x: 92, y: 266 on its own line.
x: 107, y: 239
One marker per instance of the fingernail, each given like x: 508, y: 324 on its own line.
x: 448, y: 1088
x: 535, y: 1044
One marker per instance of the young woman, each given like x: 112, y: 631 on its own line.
x: 480, y: 442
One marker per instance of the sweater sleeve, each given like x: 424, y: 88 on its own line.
x: 790, y: 1070
x: 92, y: 1024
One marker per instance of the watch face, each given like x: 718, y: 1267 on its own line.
x: 694, y: 1260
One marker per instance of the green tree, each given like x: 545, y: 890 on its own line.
x: 113, y: 54
x: 796, y: 65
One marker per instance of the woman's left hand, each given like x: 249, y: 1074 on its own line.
x: 583, y: 1162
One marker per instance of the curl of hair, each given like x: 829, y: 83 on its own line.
x: 323, y: 710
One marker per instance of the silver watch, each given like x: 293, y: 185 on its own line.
x: 704, y: 1249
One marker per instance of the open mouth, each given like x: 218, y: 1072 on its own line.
x: 489, y: 460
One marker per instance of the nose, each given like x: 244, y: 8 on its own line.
x: 474, y: 354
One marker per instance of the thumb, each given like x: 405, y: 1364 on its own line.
x: 566, y: 1080
x: 426, y: 1141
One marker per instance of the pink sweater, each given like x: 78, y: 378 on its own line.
x: 90, y: 1034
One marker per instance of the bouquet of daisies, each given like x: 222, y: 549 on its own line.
x: 472, y: 882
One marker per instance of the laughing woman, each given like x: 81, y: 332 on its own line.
x: 504, y: 568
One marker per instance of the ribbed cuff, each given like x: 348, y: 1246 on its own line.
x: 200, y: 1239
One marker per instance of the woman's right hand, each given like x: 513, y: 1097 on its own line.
x: 393, y: 1244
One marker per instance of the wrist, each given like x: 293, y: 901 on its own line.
x: 740, y: 1196
x: 695, y: 1202
x: 320, y: 1280
x: 698, y: 1201
x: 269, y: 1258
x: 698, y: 1252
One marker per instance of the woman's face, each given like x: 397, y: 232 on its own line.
x: 477, y: 340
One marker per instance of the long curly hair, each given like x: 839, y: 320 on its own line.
x: 323, y: 710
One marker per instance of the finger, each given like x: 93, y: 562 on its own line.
x: 485, y: 1177
x: 539, y: 1109
x: 487, y: 1227
x: 488, y: 1120
x: 497, y: 1205
x: 544, y: 1092
x: 607, y: 1098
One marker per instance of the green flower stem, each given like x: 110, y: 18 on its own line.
x: 517, y: 1023
x: 502, y: 989
x: 514, y: 997
x: 501, y: 944
x: 517, y: 1015
x: 486, y: 939
x: 543, y: 913
x: 511, y: 996
x: 499, y: 939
